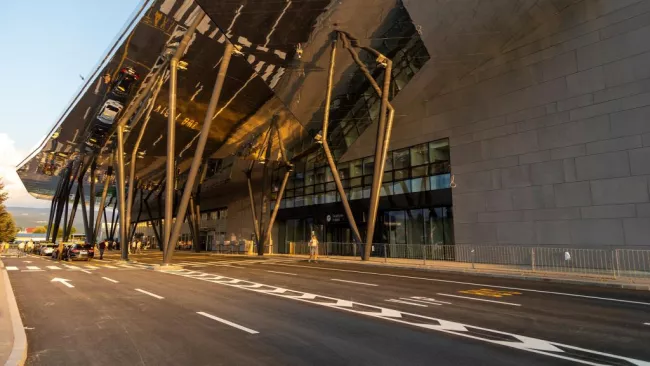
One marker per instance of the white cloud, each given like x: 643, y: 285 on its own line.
x: 10, y: 156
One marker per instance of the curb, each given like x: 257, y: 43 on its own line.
x: 627, y: 286
x: 18, y: 355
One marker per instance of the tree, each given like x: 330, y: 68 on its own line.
x: 40, y: 230
x: 8, y: 228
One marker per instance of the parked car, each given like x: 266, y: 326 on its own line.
x: 109, y: 112
x: 79, y: 252
x: 124, y: 82
x: 46, y: 248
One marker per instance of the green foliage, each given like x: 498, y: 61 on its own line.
x: 40, y: 230
x: 8, y: 228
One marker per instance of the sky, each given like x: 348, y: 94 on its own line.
x: 46, y: 45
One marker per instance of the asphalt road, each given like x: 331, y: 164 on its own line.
x: 238, y: 310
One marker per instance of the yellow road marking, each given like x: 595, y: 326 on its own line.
x: 489, y: 292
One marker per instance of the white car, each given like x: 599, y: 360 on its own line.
x: 47, y: 249
x: 109, y: 111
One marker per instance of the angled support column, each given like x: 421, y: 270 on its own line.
x: 102, y: 203
x: 384, y: 130
x: 121, y: 193
x: 278, y: 199
x: 328, y: 152
x: 84, y: 213
x: 53, y: 208
x: 249, y: 174
x: 75, y: 205
x: 107, y: 237
x: 265, y: 176
x: 171, y: 133
x: 198, y: 154
x: 90, y: 235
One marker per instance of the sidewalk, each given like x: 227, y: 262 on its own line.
x: 13, y: 341
x: 492, y: 270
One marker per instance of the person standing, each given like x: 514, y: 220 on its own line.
x: 313, y: 248
x: 138, y: 246
x: 102, y: 247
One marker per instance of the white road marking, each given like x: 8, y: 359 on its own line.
x: 33, y: 268
x: 109, y: 266
x: 27, y: 261
x: 63, y: 281
x: 358, y: 283
x: 224, y: 321
x: 108, y: 279
x: 486, y: 300
x: 408, y: 303
x: 84, y: 271
x: 285, y: 273
x: 149, y: 293
x: 646, y: 323
x: 529, y: 344
x: 471, y: 283
x: 427, y: 300
x: 53, y: 267
x: 91, y: 266
x: 12, y: 268
x: 69, y: 266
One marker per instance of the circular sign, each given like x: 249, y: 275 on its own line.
x: 329, y: 218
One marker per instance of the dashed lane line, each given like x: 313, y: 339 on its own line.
x: 150, y: 294
x: 284, y: 273
x: 224, y: 321
x: 408, y: 303
x: 11, y: 268
x: 427, y: 300
x: 355, y: 282
x: 111, y: 280
x: 54, y: 267
x: 485, y: 300
x: 469, y: 283
x: 33, y: 268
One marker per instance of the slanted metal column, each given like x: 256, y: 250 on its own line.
x: 265, y: 176
x: 278, y: 199
x: 198, y: 154
x: 91, y: 210
x: 249, y: 174
x: 120, y: 193
x: 328, y: 152
x: 383, y: 139
x: 102, y: 203
x: 53, y: 208
x: 106, y: 217
x: 75, y: 204
x: 171, y: 132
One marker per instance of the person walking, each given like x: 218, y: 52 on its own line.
x: 138, y: 247
x: 102, y: 247
x: 313, y: 248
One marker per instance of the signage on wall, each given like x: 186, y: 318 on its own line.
x: 335, y: 218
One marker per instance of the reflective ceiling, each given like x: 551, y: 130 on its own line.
x: 279, y: 74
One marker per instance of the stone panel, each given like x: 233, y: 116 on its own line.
x: 619, y: 190
x: 572, y: 194
x: 569, y: 213
x: 552, y: 233
x: 516, y: 144
x: 574, y: 133
x: 504, y: 216
x: 640, y: 161
x: 613, y: 49
x: 637, y: 231
x: 521, y: 233
x: 518, y: 176
x: 535, y: 157
x: 528, y: 198
x: 619, y: 144
x: 590, y: 233
x: 610, y: 165
x: 586, y: 81
x: 569, y: 170
x: 469, y: 202
x: 631, y: 122
x: 475, y: 233
x: 499, y: 200
x: 547, y: 172
x: 608, y: 212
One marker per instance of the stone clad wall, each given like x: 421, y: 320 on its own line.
x: 550, y: 129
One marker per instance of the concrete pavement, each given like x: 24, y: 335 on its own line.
x: 229, y: 310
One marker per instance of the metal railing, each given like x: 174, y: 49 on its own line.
x: 609, y: 262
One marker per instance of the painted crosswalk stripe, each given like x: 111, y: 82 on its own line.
x: 407, y: 302
x: 109, y: 266
x: 53, y: 267
x: 33, y: 268
x: 224, y: 321
x: 149, y: 293
x: 69, y: 266
x: 12, y: 268
x: 485, y: 300
x: 111, y: 280
x: 91, y: 266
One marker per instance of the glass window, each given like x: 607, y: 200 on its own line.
x: 401, y: 159
x: 319, y: 198
x: 283, y: 203
x: 356, y: 168
x: 320, y: 175
x: 439, y: 151
x: 419, y: 171
x: 401, y: 174
x: 415, y: 227
x: 368, y: 165
x: 419, y: 155
x: 331, y: 186
x: 289, y: 202
x: 388, y: 177
x: 290, y: 184
x: 299, y: 201
x: 389, y: 161
x: 387, y: 189
x: 396, y: 221
x: 367, y: 180
x: 356, y: 193
x: 344, y: 170
x: 319, y: 188
x: 289, y: 193
x: 439, y: 168
x: 419, y: 184
x: 355, y: 182
x: 299, y: 192
x: 403, y: 186
x: 366, y: 192
x: 330, y: 197
x: 439, y: 181
x: 328, y: 175
x: 434, y: 226
x: 309, y: 190
x: 309, y: 178
x: 309, y: 200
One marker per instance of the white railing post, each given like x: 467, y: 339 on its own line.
x: 532, y: 259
